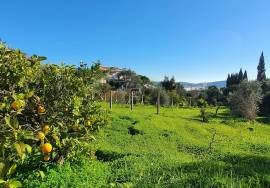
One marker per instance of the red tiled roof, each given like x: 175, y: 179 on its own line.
x: 104, y: 68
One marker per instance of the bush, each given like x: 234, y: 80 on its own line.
x: 151, y: 96
x: 265, y: 106
x: 204, y: 115
x: 245, y: 100
x: 45, y: 110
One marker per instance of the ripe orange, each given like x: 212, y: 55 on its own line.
x: 40, y: 135
x: 46, y: 148
x: 46, y: 129
x: 41, y: 109
x: 16, y: 105
x: 46, y: 158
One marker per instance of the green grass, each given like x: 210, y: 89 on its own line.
x: 172, y: 149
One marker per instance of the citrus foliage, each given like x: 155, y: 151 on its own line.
x: 44, y: 111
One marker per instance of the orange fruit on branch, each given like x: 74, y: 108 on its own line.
x: 46, y: 148
x: 16, y: 105
x: 46, y: 129
x: 40, y: 135
x: 41, y: 109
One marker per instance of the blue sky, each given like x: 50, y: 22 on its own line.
x: 193, y: 40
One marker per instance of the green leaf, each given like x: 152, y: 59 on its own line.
x: 28, y: 135
x: 2, y: 106
x: 14, y: 122
x: 2, y: 181
x: 42, y: 174
x: 28, y: 148
x: 12, y: 169
x: 2, y: 169
x: 14, y: 184
x: 20, y: 148
x: 8, y: 123
x: 20, y: 96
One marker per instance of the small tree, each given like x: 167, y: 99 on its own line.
x: 212, y: 95
x: 261, y: 69
x: 203, y: 114
x: 245, y: 100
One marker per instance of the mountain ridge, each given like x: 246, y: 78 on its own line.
x: 202, y: 85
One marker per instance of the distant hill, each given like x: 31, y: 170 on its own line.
x: 189, y: 86
x: 202, y: 85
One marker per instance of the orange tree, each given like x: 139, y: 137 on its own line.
x: 45, y: 110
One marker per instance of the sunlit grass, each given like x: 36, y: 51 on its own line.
x: 176, y: 149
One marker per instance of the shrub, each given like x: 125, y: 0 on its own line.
x: 265, y: 106
x: 204, y: 115
x: 151, y: 96
x: 245, y: 99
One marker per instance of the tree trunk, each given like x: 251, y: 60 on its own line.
x: 131, y: 104
x: 158, y: 102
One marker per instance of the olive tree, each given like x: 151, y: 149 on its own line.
x: 245, y: 100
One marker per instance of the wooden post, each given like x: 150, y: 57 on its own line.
x: 142, y: 102
x: 105, y: 97
x: 111, y: 100
x: 128, y: 97
x: 116, y: 97
x: 158, y: 102
x: 189, y: 101
x: 172, y: 102
x: 131, y: 104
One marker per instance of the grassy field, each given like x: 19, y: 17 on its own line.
x: 173, y: 149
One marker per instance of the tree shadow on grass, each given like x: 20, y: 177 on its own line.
x: 252, y: 171
x: 265, y: 120
x: 226, y: 171
x: 197, y: 119
x: 106, y: 156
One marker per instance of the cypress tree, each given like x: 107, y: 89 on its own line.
x: 228, y: 82
x: 240, y: 76
x: 245, y: 77
x: 261, y: 69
